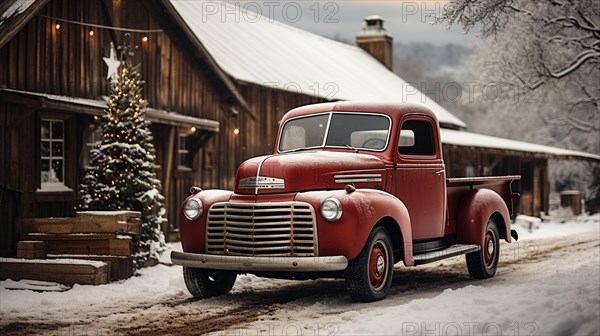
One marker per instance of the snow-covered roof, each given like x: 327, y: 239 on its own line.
x: 257, y: 49
x: 15, y: 8
x: 468, y: 139
x: 14, y: 14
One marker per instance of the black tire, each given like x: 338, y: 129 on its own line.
x: 369, y: 276
x: 483, y: 263
x: 204, y: 284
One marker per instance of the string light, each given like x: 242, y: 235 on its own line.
x: 145, y: 39
x: 236, y: 131
x: 91, y: 33
x: 57, y: 26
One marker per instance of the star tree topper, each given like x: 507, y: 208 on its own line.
x: 112, y: 63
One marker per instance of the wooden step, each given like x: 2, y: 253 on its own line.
x: 120, y: 267
x: 64, y: 271
x: 88, y: 244
x: 31, y: 249
x: 123, y: 222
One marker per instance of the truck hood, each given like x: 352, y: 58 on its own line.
x: 296, y: 172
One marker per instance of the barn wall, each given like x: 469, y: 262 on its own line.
x: 533, y: 186
x: 69, y: 62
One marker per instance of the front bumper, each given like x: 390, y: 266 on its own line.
x: 260, y: 264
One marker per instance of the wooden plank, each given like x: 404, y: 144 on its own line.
x: 93, y: 244
x: 31, y: 249
x: 67, y: 273
x: 126, y: 223
x: 120, y: 267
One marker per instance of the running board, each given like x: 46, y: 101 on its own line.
x: 452, y: 251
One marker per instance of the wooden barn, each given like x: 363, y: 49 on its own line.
x: 216, y: 87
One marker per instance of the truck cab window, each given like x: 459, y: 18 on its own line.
x: 416, y: 138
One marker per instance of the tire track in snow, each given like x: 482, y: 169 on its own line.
x: 191, y: 319
x: 179, y: 315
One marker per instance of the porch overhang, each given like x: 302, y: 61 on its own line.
x: 464, y: 139
x: 96, y: 107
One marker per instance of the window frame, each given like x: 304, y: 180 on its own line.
x: 60, y: 186
x: 326, y: 135
x: 183, y: 138
x: 435, y: 138
x: 90, y: 143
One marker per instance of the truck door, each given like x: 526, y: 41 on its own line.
x: 420, y: 176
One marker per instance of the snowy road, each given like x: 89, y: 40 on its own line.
x: 544, y: 286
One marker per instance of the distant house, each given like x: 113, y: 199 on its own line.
x: 216, y: 91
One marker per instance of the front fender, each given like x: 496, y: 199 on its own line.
x: 193, y: 233
x: 475, y: 209
x: 362, y: 210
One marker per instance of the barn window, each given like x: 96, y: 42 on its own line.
x: 183, y: 152
x: 95, y: 137
x: 52, y: 157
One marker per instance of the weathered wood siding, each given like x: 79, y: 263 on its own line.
x: 533, y: 186
x: 68, y: 62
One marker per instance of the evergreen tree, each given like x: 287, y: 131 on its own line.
x: 121, y: 174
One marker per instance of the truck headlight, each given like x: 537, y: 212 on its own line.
x: 193, y: 209
x: 331, y: 209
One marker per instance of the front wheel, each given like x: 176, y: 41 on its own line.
x: 204, y: 284
x: 369, y: 276
x: 483, y: 263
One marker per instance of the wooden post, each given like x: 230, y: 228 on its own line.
x: 168, y: 175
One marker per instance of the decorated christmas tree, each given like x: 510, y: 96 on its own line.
x: 121, y: 174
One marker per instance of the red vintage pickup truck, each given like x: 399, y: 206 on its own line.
x: 350, y: 190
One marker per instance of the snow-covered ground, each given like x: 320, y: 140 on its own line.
x: 547, y: 283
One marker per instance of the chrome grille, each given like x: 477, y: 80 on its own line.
x: 262, y: 229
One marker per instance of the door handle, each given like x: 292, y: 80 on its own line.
x: 439, y: 172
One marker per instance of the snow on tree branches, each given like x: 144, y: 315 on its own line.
x: 121, y: 174
x: 545, y: 57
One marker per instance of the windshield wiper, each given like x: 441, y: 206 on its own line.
x: 350, y: 147
x: 294, y: 150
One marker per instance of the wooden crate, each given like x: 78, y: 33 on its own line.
x: 31, y: 249
x: 66, y: 271
x: 120, y: 267
x: 123, y: 222
x: 88, y: 244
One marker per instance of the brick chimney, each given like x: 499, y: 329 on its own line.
x: 375, y: 40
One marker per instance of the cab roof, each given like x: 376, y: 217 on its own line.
x: 394, y: 110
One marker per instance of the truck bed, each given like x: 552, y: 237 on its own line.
x: 478, y: 181
x: 456, y: 188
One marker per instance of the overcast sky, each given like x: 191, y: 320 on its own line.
x: 406, y: 21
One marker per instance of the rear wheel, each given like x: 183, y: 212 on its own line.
x: 204, y: 284
x: 483, y: 263
x: 369, y: 276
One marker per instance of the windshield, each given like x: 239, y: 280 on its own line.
x: 336, y: 130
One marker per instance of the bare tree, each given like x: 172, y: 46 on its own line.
x: 544, y: 48
x: 544, y: 56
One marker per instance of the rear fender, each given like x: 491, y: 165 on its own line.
x: 475, y: 209
x: 362, y: 210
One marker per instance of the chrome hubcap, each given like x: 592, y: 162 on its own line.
x: 380, y: 264
x: 490, y: 247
